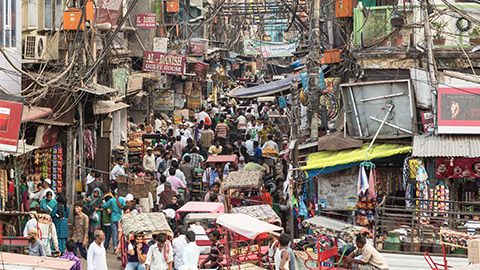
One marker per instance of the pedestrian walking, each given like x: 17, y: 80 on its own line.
x: 96, y: 258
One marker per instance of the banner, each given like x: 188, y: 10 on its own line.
x: 166, y: 63
x: 163, y: 100
x: 193, y: 102
x: 160, y: 44
x: 11, y: 109
x: 269, y: 49
x: 458, y: 168
x: 109, y: 11
x: 146, y: 21
x: 200, y: 69
x: 198, y: 46
x: 458, y: 110
x: 179, y: 101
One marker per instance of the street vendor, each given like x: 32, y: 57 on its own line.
x: 371, y: 259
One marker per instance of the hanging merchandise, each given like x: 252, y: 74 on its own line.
x: 3, y: 189
x: 367, y: 194
x: 422, y: 193
x: 49, y: 163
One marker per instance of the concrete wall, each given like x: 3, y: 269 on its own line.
x: 335, y: 187
x: 143, y: 38
x: 10, y: 80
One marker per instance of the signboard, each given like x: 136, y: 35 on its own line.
x: 200, y: 69
x: 163, y: 100
x: 166, y: 63
x: 269, y: 49
x: 146, y: 21
x: 458, y: 110
x: 109, y: 11
x: 198, y: 46
x: 427, y: 121
x: 193, y: 102
x: 458, y: 168
x: 177, y: 117
x: 11, y: 109
x: 160, y: 44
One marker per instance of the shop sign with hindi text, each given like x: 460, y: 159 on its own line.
x: 165, y: 63
x: 163, y: 100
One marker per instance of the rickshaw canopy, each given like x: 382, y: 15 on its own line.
x: 333, y: 227
x: 223, y: 159
x: 145, y: 223
x: 244, y: 179
x: 201, y: 217
x: 201, y: 207
x: 261, y: 212
x: 246, y: 226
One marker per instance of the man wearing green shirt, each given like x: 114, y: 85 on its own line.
x: 116, y: 204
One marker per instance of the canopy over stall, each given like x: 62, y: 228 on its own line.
x: 201, y: 207
x: 261, y: 212
x: 333, y: 227
x: 246, y: 226
x: 330, y: 161
x: 145, y: 223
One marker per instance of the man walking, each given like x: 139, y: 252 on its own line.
x: 36, y: 247
x: 80, y: 231
x: 96, y: 258
x: 160, y: 255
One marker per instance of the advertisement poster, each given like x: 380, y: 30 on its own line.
x: 163, y: 100
x: 427, y: 121
x: 200, y: 69
x: 198, y: 46
x: 109, y: 11
x: 148, y: 21
x: 458, y: 110
x: 269, y: 49
x: 177, y: 117
x: 179, y: 101
x: 193, y: 102
x: 166, y: 63
x: 160, y: 44
x: 458, y: 168
x: 11, y: 109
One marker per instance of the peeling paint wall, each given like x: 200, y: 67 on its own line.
x: 337, y: 186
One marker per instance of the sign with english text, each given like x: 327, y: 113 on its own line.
x: 148, y: 21
x: 166, y: 63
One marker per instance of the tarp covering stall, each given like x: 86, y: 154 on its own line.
x: 330, y: 161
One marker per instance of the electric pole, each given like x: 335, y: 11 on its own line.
x: 312, y: 67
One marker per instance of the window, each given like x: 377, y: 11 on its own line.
x: 33, y: 14
x: 48, y: 14
x: 58, y: 14
x: 8, y: 37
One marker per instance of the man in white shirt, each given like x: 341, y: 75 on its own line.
x: 178, y: 244
x: 96, y: 256
x: 158, y: 124
x: 160, y: 255
x: 190, y: 253
x: 149, y: 160
x: 202, y: 116
x: 117, y: 170
x: 249, y: 146
x: 270, y: 143
x: 47, y: 183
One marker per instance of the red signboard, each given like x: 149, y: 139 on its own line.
x: 198, y: 46
x: 166, y: 63
x: 109, y: 11
x: 427, y: 121
x: 458, y: 168
x: 10, y: 118
x: 198, y: 68
x: 458, y: 109
x: 146, y: 21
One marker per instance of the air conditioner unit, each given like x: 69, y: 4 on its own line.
x: 35, y: 47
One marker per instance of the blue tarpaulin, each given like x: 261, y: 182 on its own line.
x: 265, y: 89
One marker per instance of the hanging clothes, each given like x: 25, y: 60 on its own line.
x: 372, y: 185
x: 362, y: 184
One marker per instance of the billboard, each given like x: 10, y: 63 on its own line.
x: 146, y: 21
x: 166, y: 63
x: 109, y: 11
x: 458, y: 109
x: 457, y: 168
x: 11, y: 109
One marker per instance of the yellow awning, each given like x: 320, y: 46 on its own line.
x: 326, y: 159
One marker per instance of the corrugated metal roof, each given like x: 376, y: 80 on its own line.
x: 429, y: 145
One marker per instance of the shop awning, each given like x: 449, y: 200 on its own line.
x: 330, y: 161
x: 429, y: 145
x: 33, y: 113
x: 265, y: 89
x: 107, y: 106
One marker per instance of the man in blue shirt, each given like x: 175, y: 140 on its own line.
x: 258, y: 152
x: 116, y: 204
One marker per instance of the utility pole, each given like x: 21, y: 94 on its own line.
x: 312, y: 67
x: 431, y: 68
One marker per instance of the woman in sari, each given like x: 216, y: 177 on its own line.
x: 48, y: 203
x: 93, y: 203
x: 60, y: 214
